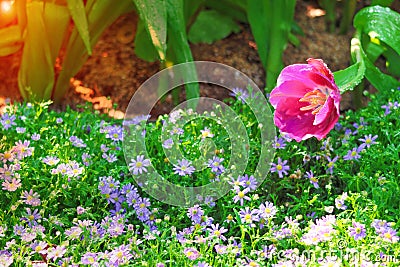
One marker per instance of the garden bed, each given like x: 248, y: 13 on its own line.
x: 80, y: 186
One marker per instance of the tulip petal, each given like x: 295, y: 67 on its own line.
x: 285, y: 90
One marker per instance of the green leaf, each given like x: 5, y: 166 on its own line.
x: 46, y: 26
x: 374, y: 51
x: 392, y: 61
x: 203, y: 29
x: 381, y: 2
x: 78, y: 14
x: 154, y: 15
x: 235, y: 9
x: 10, y: 40
x: 350, y: 77
x: 179, y: 46
x: 258, y: 14
x: 378, y: 79
x: 144, y: 48
x: 100, y: 15
x: 381, y: 23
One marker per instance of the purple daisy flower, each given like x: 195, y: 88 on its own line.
x: 354, y: 153
x: 215, y: 165
x: 331, y: 164
x: 248, y: 216
x: 240, y: 94
x: 312, y: 178
x: 279, y: 143
x: 241, y: 195
x: 7, y: 121
x: 280, y: 167
x: 168, y: 143
x: 184, y: 167
x: 191, y: 253
x: 368, y: 140
x: 139, y: 165
x: 357, y: 231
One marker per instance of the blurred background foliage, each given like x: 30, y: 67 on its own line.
x: 58, y: 36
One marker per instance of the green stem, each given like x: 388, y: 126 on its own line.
x: 356, y: 96
x: 330, y: 18
x: 281, y: 17
x: 348, y: 13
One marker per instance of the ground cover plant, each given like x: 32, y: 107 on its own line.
x: 68, y: 197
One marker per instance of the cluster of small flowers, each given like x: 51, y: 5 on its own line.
x: 116, y: 257
x: 70, y: 169
x: 385, y: 231
x: 110, y: 189
x: 321, y: 231
x: 11, y: 165
x: 367, y: 141
x: 263, y: 214
x: 241, y: 186
x: 113, y: 132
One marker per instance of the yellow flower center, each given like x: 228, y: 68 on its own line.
x: 316, y: 100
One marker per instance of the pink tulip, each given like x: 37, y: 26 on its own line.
x: 306, y: 100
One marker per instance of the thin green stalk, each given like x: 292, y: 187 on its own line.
x: 281, y: 18
x: 348, y: 13
x: 357, y: 94
x: 330, y: 17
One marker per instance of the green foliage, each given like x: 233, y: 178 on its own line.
x: 203, y: 29
x: 48, y: 37
x: 153, y: 14
x: 271, y: 23
x: 376, y: 29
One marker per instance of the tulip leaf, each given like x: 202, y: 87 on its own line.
x: 259, y: 13
x: 350, y: 77
x: 36, y: 53
x: 154, y: 15
x: 378, y: 79
x: 203, y: 30
x: 100, y: 15
x: 381, y: 23
x: 144, y: 48
x: 179, y: 46
x: 78, y: 14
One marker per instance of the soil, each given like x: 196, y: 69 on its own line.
x: 113, y: 73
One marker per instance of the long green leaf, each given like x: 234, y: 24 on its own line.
x: 259, y: 24
x: 10, y: 35
x: 46, y: 24
x: 154, y: 15
x: 100, y: 15
x: 381, y: 23
x: 78, y: 14
x: 384, y: 24
x: 144, y: 48
x: 179, y: 45
x: 348, y: 78
x: 282, y: 17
